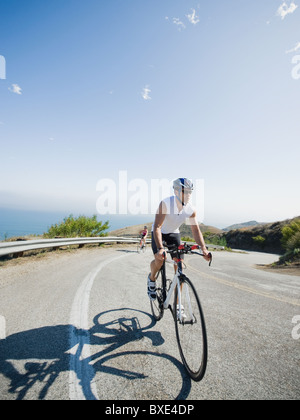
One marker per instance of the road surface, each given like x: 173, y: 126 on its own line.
x: 77, y: 325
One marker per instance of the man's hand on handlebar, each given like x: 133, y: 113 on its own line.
x: 161, y: 255
x: 206, y: 255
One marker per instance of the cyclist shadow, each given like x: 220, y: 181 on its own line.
x: 33, y: 357
x: 33, y: 360
x: 112, y: 333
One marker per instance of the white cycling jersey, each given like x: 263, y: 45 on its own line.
x: 175, y: 218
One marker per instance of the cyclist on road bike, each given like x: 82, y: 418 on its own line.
x: 144, y: 234
x: 171, y: 214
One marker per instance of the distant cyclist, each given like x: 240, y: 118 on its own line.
x: 171, y: 214
x: 144, y: 235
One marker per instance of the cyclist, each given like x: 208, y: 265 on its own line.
x: 144, y: 234
x: 171, y: 214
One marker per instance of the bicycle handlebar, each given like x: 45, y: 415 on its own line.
x: 187, y: 249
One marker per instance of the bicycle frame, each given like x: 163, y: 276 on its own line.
x: 176, y: 282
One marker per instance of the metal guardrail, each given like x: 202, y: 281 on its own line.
x: 19, y: 247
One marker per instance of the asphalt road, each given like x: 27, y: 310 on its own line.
x: 78, y: 326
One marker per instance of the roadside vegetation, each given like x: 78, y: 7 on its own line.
x: 210, y: 239
x: 291, y: 243
x: 215, y: 239
x: 82, y: 226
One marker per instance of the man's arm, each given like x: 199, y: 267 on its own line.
x: 159, y: 220
x: 197, y: 234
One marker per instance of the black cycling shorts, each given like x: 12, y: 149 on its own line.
x: 170, y: 239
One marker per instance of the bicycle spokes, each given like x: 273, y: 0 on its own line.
x: 190, y: 330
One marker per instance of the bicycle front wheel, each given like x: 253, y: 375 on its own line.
x: 190, y: 329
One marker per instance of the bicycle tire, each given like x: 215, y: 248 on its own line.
x: 191, y: 331
x: 157, y: 306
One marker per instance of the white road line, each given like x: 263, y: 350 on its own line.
x: 81, y: 374
x: 2, y: 328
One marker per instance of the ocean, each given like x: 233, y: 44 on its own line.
x: 20, y: 223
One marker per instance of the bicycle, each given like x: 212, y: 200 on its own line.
x: 187, y: 312
x: 141, y: 246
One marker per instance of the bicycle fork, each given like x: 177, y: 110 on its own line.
x: 192, y: 320
x: 183, y: 294
x: 175, y: 283
x: 179, y: 284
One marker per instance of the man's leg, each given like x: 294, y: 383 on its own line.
x: 154, y: 267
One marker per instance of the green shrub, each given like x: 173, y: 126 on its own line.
x: 291, y: 242
x: 187, y: 239
x: 215, y: 239
x: 81, y: 226
x: 291, y: 236
x: 259, y: 240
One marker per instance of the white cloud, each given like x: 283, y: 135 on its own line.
x: 145, y: 93
x: 296, y: 48
x: 193, y: 18
x: 179, y: 23
x: 285, y: 10
x: 15, y: 89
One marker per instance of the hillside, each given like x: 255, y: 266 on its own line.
x: 130, y: 230
x: 246, y: 225
x: 185, y: 230
x: 263, y: 238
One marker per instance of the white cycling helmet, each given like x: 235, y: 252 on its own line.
x: 184, y: 184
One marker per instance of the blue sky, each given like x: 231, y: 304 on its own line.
x: 161, y: 89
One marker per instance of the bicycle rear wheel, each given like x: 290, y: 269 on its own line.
x: 191, y: 330
x: 157, y: 306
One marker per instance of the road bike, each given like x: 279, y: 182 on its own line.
x: 141, y: 246
x: 186, y: 310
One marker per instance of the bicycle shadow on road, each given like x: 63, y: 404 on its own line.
x: 33, y: 357
x: 121, y: 328
x: 32, y: 361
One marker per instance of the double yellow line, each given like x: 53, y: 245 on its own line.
x: 295, y: 302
